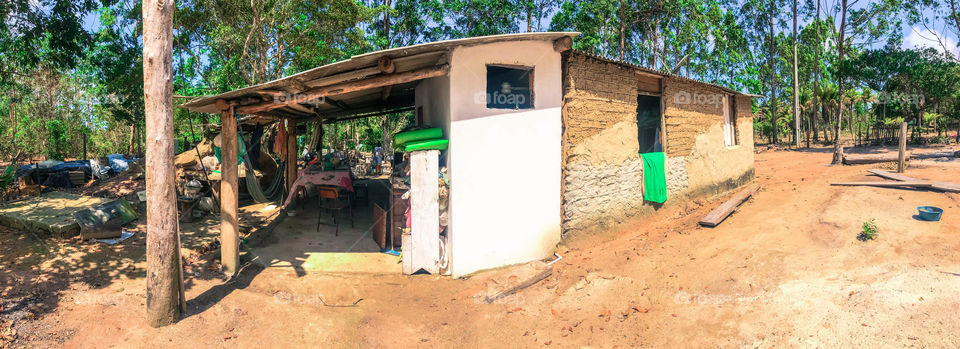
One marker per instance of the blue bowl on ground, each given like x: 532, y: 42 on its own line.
x: 930, y: 213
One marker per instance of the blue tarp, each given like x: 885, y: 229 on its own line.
x: 57, y: 175
x: 119, y: 163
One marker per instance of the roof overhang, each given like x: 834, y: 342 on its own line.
x: 369, y: 84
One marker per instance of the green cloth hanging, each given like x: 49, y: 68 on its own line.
x: 654, y: 177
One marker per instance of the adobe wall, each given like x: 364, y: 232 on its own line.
x: 602, y: 171
x: 694, y: 138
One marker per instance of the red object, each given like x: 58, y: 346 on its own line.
x: 335, y: 178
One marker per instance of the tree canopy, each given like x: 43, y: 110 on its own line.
x: 74, y: 67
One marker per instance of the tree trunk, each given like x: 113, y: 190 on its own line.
x: 385, y: 129
x: 164, y: 285
x: 816, y: 81
x: 796, y: 82
x: 229, y: 191
x: 315, y: 137
x: 623, y: 30
x: 837, y: 148
x: 386, y: 24
x: 133, y: 135
x: 773, y: 86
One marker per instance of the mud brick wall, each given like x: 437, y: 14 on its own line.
x: 693, y: 116
x: 603, y: 174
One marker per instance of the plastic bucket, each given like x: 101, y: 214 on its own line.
x: 930, y: 213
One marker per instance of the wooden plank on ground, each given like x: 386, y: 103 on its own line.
x: 519, y: 285
x: 941, y: 186
x: 849, y: 159
x: 886, y: 184
x: 720, y: 213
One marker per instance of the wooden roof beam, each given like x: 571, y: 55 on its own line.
x: 352, y: 86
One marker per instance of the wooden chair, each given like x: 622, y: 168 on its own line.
x: 331, y: 199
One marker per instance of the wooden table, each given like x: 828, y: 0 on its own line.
x: 338, y: 178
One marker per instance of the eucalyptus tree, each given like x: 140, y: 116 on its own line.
x: 861, y: 24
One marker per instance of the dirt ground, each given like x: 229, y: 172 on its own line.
x: 785, y: 270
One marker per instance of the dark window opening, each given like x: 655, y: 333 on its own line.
x: 509, y: 88
x: 648, y: 123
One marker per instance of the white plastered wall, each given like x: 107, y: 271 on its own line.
x: 504, y: 165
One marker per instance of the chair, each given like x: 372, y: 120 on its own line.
x: 331, y: 199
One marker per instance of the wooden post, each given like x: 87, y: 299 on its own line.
x: 229, y: 237
x: 901, y: 160
x: 425, y: 211
x: 291, y: 154
x: 163, y: 252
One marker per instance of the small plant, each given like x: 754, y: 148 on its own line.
x: 869, y: 231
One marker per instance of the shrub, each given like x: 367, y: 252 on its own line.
x: 869, y: 231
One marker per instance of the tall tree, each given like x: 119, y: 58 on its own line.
x: 796, y: 82
x: 164, y: 278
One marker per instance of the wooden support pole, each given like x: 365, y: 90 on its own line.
x: 291, y: 154
x: 164, y: 283
x: 229, y: 229
x: 901, y: 159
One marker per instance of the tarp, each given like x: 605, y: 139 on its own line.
x: 654, y: 177
x: 119, y: 163
x: 57, y: 175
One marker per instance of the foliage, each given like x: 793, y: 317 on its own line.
x: 79, y: 62
x: 56, y: 139
x: 868, y: 231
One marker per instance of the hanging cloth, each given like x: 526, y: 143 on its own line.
x: 654, y: 177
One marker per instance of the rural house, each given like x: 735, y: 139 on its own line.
x: 544, y: 141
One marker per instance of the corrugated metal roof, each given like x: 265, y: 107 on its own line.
x: 406, y: 58
x: 660, y: 73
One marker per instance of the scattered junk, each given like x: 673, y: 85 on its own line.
x: 105, y: 220
x: 929, y: 213
x: 715, y: 217
x: 123, y: 236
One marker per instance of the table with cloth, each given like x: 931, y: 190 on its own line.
x: 339, y: 178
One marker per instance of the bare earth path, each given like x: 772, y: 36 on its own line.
x: 785, y: 270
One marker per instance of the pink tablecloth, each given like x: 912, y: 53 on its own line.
x: 335, y: 178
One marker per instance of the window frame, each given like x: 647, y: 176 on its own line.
x: 531, y: 70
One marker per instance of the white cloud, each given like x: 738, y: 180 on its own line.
x: 920, y: 37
